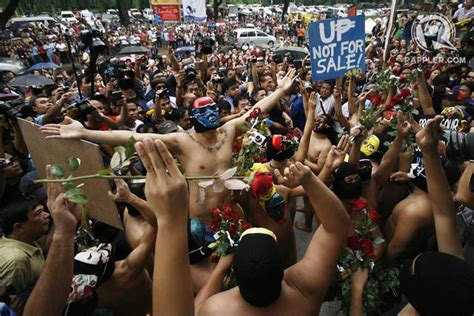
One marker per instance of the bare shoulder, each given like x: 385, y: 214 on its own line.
x: 216, y: 304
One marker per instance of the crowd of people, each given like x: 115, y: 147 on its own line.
x: 377, y: 162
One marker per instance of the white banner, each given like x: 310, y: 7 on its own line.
x: 194, y: 10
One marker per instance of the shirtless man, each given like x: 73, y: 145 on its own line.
x: 299, y: 289
x: 205, y: 152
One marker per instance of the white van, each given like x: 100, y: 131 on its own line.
x: 68, y: 17
x: 47, y: 21
x: 87, y: 15
x: 251, y: 36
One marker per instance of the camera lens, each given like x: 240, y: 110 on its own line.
x: 459, y: 146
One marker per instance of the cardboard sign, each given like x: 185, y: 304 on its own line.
x: 337, y: 46
x: 58, y: 151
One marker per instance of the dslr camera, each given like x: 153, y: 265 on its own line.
x: 459, y: 146
x: 16, y: 109
x: 206, y: 43
x: 190, y: 73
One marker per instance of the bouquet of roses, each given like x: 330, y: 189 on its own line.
x: 359, y: 253
x: 248, y: 150
x: 224, y: 233
x: 226, y: 228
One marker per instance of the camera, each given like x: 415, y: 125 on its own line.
x: 16, y: 109
x: 84, y: 108
x: 206, y: 43
x: 190, y: 73
x: 290, y: 58
x: 459, y: 146
x: 278, y: 59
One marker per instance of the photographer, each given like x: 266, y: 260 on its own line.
x: 105, y: 116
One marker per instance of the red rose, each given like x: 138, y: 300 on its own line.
x: 261, y: 184
x: 375, y: 100
x: 367, y: 247
x: 405, y: 92
x: 389, y: 107
x: 389, y: 115
x: 360, y: 204
x: 403, y: 80
x: 215, y: 258
x: 353, y: 242
x: 232, y: 230
x: 255, y: 113
x: 215, y: 212
x: 373, y: 215
x: 397, y: 99
x: 246, y: 225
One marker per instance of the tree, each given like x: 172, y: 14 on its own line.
x: 286, y: 4
x: 8, y: 12
x: 217, y: 3
x: 123, y: 7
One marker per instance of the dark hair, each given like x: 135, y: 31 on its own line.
x: 224, y: 105
x: 256, y: 91
x: 441, y: 80
x: 16, y: 211
x: 469, y: 85
x: 262, y: 77
x: 230, y: 82
x: 239, y: 98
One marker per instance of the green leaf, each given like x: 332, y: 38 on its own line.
x: 105, y: 172
x: 121, y: 151
x: 130, y: 147
x: 78, y: 199
x: 57, y: 170
x: 115, y: 162
x: 74, y: 163
x: 73, y: 191
x: 68, y: 186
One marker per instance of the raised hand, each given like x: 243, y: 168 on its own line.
x: 287, y: 82
x: 428, y: 137
x: 166, y: 189
x: 66, y: 215
x: 122, y: 192
x: 312, y: 101
x: 70, y: 130
x: 403, y: 125
x: 293, y: 176
x: 337, y: 153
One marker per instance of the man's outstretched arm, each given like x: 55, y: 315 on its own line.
x: 75, y: 130
x: 269, y: 102
x: 312, y: 275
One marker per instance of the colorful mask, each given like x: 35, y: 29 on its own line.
x: 322, y: 124
x: 205, y: 114
x: 281, y: 147
x: 370, y: 145
x: 263, y: 189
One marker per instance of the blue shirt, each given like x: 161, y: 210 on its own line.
x: 297, y: 113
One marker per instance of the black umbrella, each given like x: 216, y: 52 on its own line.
x: 30, y: 80
x: 133, y: 50
x: 297, y: 52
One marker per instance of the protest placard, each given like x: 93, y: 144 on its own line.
x: 58, y: 151
x: 337, y: 46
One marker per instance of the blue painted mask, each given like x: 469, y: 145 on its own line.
x: 207, y: 116
x: 275, y: 207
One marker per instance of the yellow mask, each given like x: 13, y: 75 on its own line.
x: 370, y: 145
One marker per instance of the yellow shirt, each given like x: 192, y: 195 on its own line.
x: 20, y: 263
